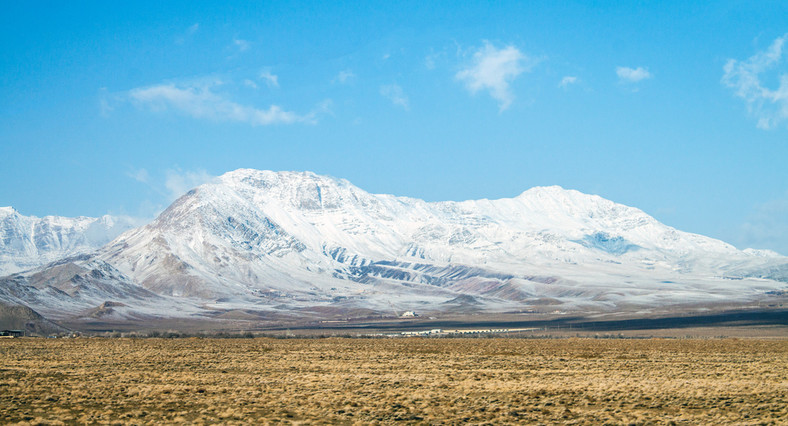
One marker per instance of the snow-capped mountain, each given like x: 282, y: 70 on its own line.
x: 282, y: 240
x: 314, y: 237
x: 28, y: 241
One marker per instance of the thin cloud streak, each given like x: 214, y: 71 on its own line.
x: 344, y: 77
x: 188, y: 34
x: 395, y: 94
x: 271, y: 80
x: 178, y: 182
x: 174, y: 184
x: 201, y: 102
x: 140, y: 175
x: 767, y: 226
x: 242, y: 45
x: 769, y: 107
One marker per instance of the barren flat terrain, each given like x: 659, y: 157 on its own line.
x: 416, y: 380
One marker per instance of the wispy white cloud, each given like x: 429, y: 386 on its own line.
x: 168, y: 187
x: 105, y: 102
x: 201, y: 102
x: 241, y: 45
x: 767, y: 226
x: 271, y: 80
x: 178, y: 182
x: 250, y: 83
x: 324, y: 107
x: 493, y: 69
x: 140, y: 175
x: 188, y: 33
x: 395, y: 94
x: 567, y: 81
x: 431, y: 60
x: 344, y: 76
x: 770, y: 107
x: 632, y: 75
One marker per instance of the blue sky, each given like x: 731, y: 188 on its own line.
x: 678, y: 108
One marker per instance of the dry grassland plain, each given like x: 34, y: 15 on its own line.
x: 415, y: 380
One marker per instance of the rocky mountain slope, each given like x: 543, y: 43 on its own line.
x: 28, y: 241
x: 287, y: 242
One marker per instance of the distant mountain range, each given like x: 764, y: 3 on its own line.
x: 28, y: 241
x: 260, y: 243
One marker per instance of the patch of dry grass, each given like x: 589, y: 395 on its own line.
x: 149, y: 381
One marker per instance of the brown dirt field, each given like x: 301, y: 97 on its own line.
x: 429, y: 381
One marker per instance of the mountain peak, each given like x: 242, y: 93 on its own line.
x: 7, y: 211
x: 303, y: 190
x: 541, y: 191
x: 269, y: 179
x: 284, y: 175
x: 553, y: 191
x: 559, y: 197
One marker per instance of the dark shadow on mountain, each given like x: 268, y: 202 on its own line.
x: 21, y: 317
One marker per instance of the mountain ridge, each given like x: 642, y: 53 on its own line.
x: 287, y: 241
x: 29, y: 241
